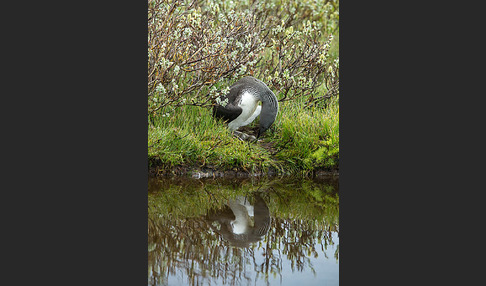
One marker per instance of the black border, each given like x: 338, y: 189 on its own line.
x: 409, y: 141
x: 75, y: 141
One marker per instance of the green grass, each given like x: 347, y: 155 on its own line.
x: 308, y: 138
x: 191, y: 136
x: 303, y: 140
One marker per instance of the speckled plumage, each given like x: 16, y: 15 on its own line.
x: 242, y: 107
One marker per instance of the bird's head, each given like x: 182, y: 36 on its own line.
x: 266, y: 120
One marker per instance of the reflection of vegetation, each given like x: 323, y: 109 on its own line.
x: 184, y: 239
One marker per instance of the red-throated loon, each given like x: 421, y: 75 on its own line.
x: 240, y: 106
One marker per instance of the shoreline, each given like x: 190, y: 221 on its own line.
x: 156, y: 170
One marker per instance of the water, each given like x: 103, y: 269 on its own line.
x: 243, y: 232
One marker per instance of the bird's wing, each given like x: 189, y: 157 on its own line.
x: 231, y: 110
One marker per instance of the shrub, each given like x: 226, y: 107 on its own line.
x: 190, y: 50
x: 197, y: 48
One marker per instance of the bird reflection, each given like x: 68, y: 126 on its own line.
x: 240, y: 222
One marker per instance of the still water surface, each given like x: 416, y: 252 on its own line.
x: 243, y: 232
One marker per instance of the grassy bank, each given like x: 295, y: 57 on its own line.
x: 301, y: 140
x: 196, y: 50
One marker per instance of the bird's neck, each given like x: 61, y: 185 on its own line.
x: 269, y: 103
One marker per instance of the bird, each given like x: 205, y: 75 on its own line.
x: 240, y: 222
x: 239, y: 107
